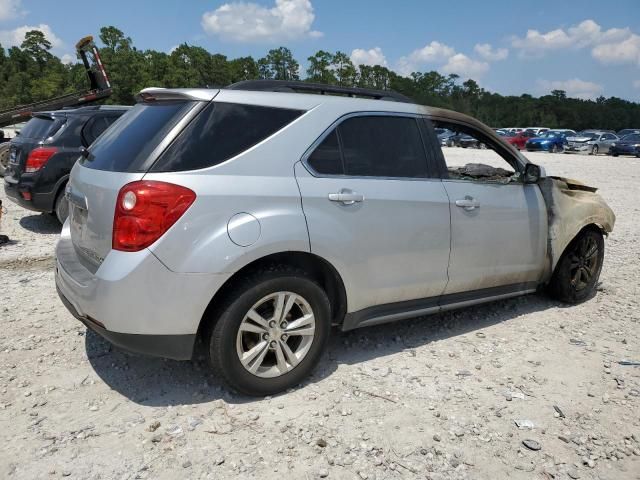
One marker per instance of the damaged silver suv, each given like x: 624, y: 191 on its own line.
x: 253, y: 218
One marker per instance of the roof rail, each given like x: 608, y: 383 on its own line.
x: 307, y: 87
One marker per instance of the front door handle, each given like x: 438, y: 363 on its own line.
x: 346, y: 197
x: 468, y: 203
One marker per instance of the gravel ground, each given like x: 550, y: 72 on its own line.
x: 435, y: 397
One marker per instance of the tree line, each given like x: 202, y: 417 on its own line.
x: 30, y: 73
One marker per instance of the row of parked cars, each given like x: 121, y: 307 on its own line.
x: 592, y: 142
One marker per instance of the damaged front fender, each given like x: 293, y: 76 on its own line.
x: 571, y: 206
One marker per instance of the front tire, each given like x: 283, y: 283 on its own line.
x: 577, y: 273
x: 554, y: 148
x: 272, y: 331
x: 594, y: 150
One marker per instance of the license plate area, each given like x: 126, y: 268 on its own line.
x: 78, y: 216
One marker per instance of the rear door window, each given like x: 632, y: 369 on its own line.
x: 382, y: 146
x: 126, y: 147
x: 326, y: 158
x: 372, y: 146
x: 220, y: 132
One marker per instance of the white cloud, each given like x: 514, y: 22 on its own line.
x: 15, y: 37
x: 464, y: 66
x: 615, y: 45
x: 575, y: 88
x: 68, y: 59
x: 430, y: 53
x: 10, y: 9
x: 250, y: 22
x: 373, y: 56
x: 486, y: 51
x: 626, y: 51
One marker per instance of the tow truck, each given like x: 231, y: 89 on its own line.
x: 99, y: 89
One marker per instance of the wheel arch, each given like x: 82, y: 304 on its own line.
x: 587, y: 226
x: 317, y: 267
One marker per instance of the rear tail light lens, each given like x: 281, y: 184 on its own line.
x: 145, y: 210
x: 38, y: 158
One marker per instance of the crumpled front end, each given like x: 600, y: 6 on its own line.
x: 571, y: 206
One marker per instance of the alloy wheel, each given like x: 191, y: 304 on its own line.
x: 583, y: 263
x: 275, y: 334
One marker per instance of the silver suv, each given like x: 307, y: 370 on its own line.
x: 254, y: 218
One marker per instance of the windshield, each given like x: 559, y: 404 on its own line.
x: 588, y: 134
x: 634, y: 137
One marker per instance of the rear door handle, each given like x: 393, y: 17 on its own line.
x: 346, y: 197
x: 468, y: 203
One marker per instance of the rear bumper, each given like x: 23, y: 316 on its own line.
x: 134, y: 301
x: 40, y: 201
x: 177, y: 347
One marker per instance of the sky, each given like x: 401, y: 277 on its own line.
x: 587, y: 48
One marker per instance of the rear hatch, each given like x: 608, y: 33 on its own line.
x: 34, y: 134
x: 121, y: 155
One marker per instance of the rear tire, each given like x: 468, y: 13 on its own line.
x: 554, y: 148
x: 4, y: 158
x: 253, y: 305
x: 577, y: 273
x: 61, y: 207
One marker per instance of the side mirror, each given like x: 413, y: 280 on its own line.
x: 532, y: 173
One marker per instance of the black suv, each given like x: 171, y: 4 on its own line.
x: 41, y: 157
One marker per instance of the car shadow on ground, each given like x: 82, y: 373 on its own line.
x: 41, y: 223
x: 160, y: 382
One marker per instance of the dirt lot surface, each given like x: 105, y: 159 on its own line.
x: 436, y: 397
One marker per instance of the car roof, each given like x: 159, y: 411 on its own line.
x: 84, y: 110
x: 341, y: 104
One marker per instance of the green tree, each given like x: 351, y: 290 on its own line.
x: 279, y: 64
x: 320, y: 68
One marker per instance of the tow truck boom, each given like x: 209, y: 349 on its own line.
x: 99, y: 88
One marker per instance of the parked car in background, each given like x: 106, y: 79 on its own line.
x: 41, y: 157
x: 627, y: 131
x: 181, y: 232
x: 449, y: 138
x: 467, y: 141
x: 591, y: 142
x: 552, y: 141
x: 518, y: 139
x: 537, y: 131
x: 627, y: 145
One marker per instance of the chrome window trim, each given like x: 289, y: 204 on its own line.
x: 305, y: 156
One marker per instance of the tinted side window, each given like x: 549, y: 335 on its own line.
x: 379, y: 146
x: 326, y: 157
x: 222, y: 131
x: 126, y: 146
x: 93, y: 128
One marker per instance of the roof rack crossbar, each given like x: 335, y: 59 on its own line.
x: 322, y: 89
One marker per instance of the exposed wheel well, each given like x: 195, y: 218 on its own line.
x: 319, y: 269
x: 591, y: 226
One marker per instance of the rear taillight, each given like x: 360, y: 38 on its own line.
x: 145, y: 210
x: 38, y: 157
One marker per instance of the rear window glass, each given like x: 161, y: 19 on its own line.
x: 127, y: 145
x: 220, y: 132
x: 40, y: 127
